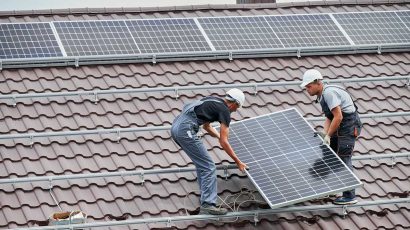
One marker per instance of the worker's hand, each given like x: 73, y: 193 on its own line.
x: 326, y: 140
x: 242, y: 166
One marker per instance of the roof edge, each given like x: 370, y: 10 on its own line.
x: 124, y: 10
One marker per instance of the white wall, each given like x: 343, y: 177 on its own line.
x: 62, y: 4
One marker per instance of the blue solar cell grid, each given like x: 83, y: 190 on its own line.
x: 374, y: 27
x: 287, y: 163
x: 30, y: 40
x: 238, y: 33
x: 168, y: 36
x: 307, y: 30
x: 88, y: 38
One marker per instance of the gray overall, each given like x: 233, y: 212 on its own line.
x: 184, y: 132
x: 343, y: 141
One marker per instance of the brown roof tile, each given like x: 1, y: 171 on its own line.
x: 163, y: 195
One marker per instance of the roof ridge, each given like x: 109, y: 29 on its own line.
x: 105, y: 10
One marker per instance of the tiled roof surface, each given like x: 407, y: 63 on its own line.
x: 106, y: 199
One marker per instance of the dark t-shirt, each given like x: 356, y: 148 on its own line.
x: 211, y: 111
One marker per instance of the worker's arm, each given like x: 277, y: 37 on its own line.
x: 335, y: 123
x: 223, y: 141
x: 326, y: 125
x: 211, y: 130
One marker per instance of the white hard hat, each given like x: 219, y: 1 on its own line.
x: 236, y: 95
x: 309, y: 76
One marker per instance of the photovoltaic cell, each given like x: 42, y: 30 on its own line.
x: 240, y: 33
x: 168, y: 36
x: 374, y: 27
x: 88, y: 38
x: 307, y: 30
x: 29, y: 40
x: 287, y: 163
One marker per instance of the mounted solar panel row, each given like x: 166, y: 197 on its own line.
x: 31, y: 40
x: 197, y: 35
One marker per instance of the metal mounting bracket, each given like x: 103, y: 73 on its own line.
x: 95, y: 97
x: 154, y: 59
x: 77, y: 62
x: 142, y: 178
x: 176, y: 94
x: 393, y: 162
x: 256, y: 218
x: 169, y: 223
x: 230, y: 56
x: 31, y: 141
x: 344, y: 211
x: 14, y: 101
x: 118, y: 136
x: 226, y: 172
x: 298, y: 53
x: 255, y: 90
x: 379, y: 49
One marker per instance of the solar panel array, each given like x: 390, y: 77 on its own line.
x: 190, y: 35
x: 287, y: 163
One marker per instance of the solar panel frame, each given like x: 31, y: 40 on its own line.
x: 318, y: 169
x: 96, y: 38
x: 307, y: 30
x: 168, y: 35
x: 28, y: 40
x: 376, y: 27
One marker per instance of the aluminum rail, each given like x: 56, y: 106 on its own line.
x: 118, y: 131
x: 205, y: 55
x: 143, y: 173
x: 95, y: 93
x: 253, y: 213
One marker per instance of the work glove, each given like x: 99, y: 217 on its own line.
x: 326, y: 140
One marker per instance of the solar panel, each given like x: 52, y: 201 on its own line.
x: 86, y: 38
x: 287, y: 163
x: 29, y: 40
x: 405, y: 17
x: 168, y: 35
x: 238, y: 33
x: 307, y: 30
x: 374, y: 27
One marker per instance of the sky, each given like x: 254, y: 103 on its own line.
x: 7, y: 5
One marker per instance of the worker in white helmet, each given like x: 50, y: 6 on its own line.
x: 342, y: 124
x: 184, y: 133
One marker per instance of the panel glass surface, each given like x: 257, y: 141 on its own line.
x: 287, y: 163
x: 30, y: 40
x: 240, y: 33
x: 87, y: 38
x: 168, y: 35
x: 307, y: 30
x: 374, y: 27
x: 405, y: 17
